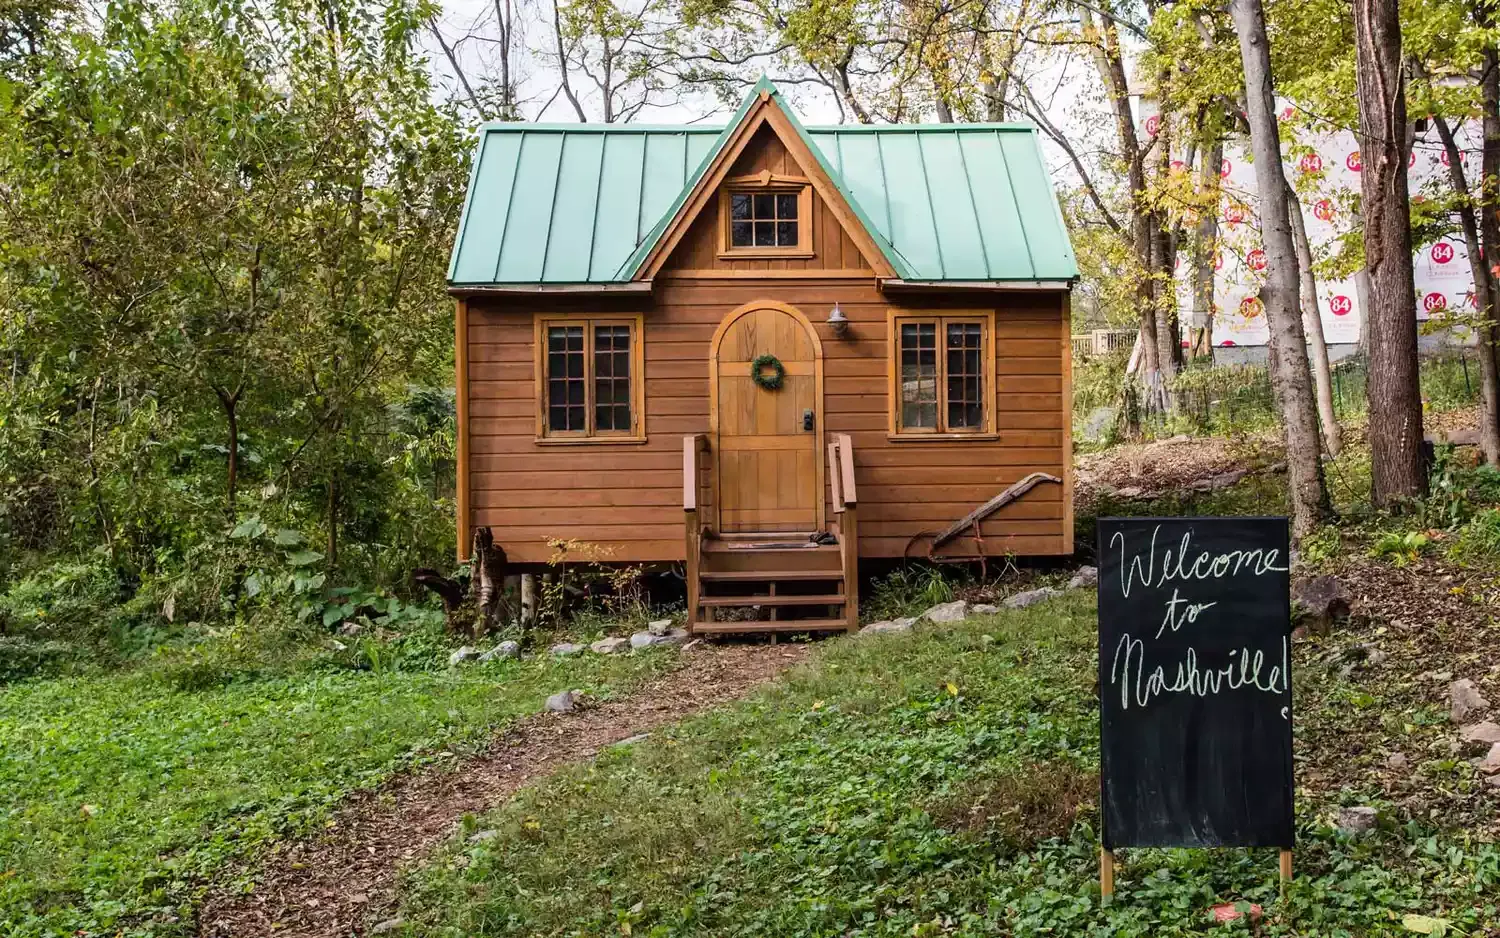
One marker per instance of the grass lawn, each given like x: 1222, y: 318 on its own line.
x: 941, y: 783
x: 120, y: 794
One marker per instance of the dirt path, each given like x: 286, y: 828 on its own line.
x: 343, y: 882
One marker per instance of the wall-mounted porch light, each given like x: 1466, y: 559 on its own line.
x: 838, y: 322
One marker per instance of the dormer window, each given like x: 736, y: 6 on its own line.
x: 766, y: 215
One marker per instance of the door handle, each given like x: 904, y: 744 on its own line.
x: 807, y: 420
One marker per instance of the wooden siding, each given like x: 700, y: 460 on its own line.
x: 629, y: 496
x: 832, y: 247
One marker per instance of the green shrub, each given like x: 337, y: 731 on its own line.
x: 22, y: 658
x: 69, y: 601
x: 907, y: 591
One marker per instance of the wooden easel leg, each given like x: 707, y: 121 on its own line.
x: 1286, y: 871
x: 1106, y: 876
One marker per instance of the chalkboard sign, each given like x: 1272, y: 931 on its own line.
x: 1194, y: 682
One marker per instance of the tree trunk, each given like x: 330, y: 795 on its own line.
x: 1163, y: 300
x: 528, y: 600
x: 1362, y: 293
x: 1489, y: 388
x: 1394, y: 390
x: 1205, y: 248
x: 1312, y: 323
x: 332, y: 553
x: 1289, y: 372
x: 489, y: 575
x: 231, y: 402
x: 1488, y: 209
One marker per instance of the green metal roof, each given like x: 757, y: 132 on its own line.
x: 585, y: 203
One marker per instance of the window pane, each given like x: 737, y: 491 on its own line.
x: 965, y: 409
x: 765, y: 234
x: 786, y: 234
x: 765, y: 207
x: 741, y: 234
x: 739, y: 205
x: 919, y: 375
x: 786, y: 206
x: 612, y: 378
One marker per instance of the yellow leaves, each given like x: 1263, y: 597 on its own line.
x: 952, y: 689
x: 1424, y: 924
x: 87, y: 811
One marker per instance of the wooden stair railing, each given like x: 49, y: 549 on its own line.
x: 694, y: 461
x: 846, y: 508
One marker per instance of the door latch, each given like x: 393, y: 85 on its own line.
x: 807, y: 420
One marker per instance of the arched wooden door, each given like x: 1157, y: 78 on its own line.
x: 768, y: 444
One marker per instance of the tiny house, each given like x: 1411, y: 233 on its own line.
x: 764, y: 351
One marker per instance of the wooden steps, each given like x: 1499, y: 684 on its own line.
x: 792, y: 584
x: 761, y: 576
x: 768, y: 625
x: 762, y: 599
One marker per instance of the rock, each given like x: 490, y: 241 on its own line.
x: 642, y: 640
x: 1130, y: 491
x: 566, y: 649
x: 1487, y: 732
x: 1490, y: 764
x: 955, y: 611
x: 1493, y: 781
x: 502, y: 650
x: 387, y: 926
x: 1318, y: 602
x: 1085, y: 577
x: 1466, y: 701
x: 1031, y: 597
x: 483, y: 837
x: 659, y: 626
x: 1364, y: 655
x: 1217, y: 483
x: 984, y: 609
x: 1179, y: 438
x: 881, y: 628
x: 632, y: 740
x: 351, y: 630
x: 337, y: 645
x: 1358, y: 820
x: 1397, y: 760
x: 674, y: 637
x: 611, y: 646
x: 466, y: 653
x: 563, y: 702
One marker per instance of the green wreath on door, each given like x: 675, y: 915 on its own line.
x: 768, y: 380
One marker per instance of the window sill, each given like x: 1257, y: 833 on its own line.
x: 764, y: 254
x: 589, y: 440
x: 942, y: 437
